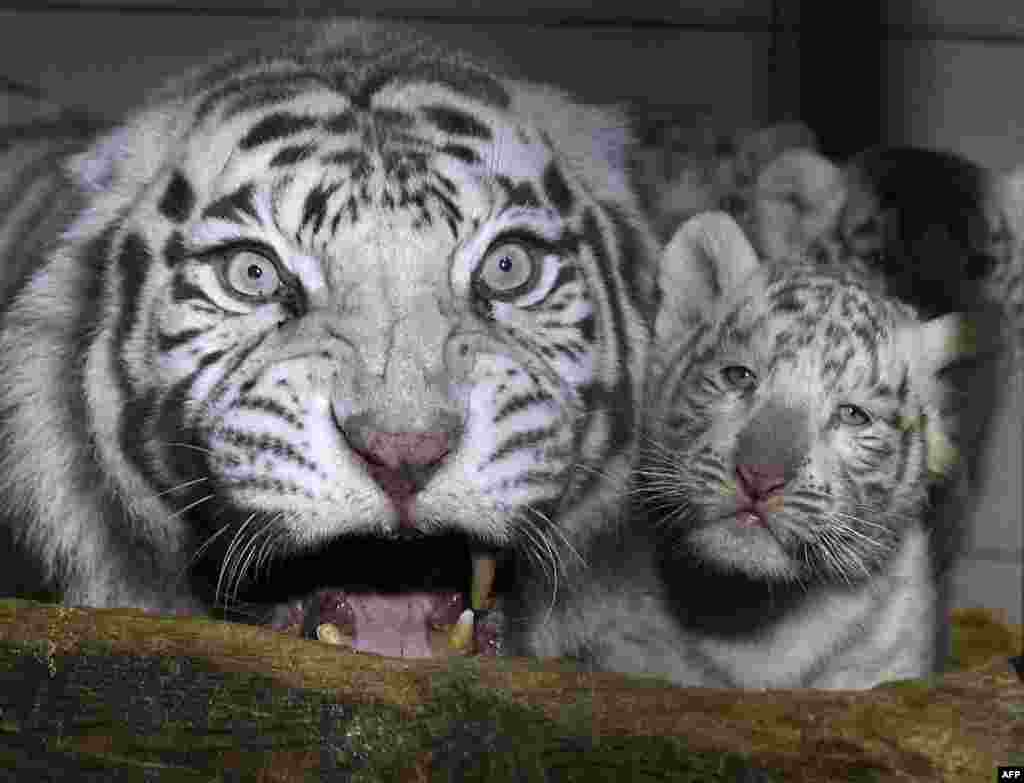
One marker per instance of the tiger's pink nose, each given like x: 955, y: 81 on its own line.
x: 761, y: 480
x: 401, y: 463
x: 395, y: 449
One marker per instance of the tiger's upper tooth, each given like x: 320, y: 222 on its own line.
x: 484, y: 569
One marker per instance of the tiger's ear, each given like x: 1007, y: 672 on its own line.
x: 94, y: 170
x: 128, y: 156
x: 708, y: 257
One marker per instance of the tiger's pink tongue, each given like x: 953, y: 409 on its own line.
x: 393, y: 625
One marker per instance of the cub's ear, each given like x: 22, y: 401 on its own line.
x: 708, y: 257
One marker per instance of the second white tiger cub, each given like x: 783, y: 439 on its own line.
x: 792, y: 441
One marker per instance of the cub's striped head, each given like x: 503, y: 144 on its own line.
x: 795, y: 425
x: 359, y: 290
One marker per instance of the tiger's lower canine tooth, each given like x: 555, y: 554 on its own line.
x: 331, y: 634
x: 484, y: 568
x: 462, y: 633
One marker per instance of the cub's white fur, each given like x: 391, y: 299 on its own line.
x: 813, y: 597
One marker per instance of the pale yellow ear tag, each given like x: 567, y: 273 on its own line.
x: 964, y: 342
x: 943, y: 455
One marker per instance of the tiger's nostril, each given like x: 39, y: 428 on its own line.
x: 761, y: 480
x: 394, y: 449
x: 400, y: 462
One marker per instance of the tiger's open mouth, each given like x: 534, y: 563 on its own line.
x: 419, y: 597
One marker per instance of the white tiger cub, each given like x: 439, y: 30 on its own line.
x: 781, y: 540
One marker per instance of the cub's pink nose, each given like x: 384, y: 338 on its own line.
x: 761, y: 480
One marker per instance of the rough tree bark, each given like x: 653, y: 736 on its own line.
x: 112, y: 695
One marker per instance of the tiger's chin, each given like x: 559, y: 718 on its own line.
x: 773, y: 546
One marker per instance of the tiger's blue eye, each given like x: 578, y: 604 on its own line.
x: 507, y: 270
x: 852, y: 416
x: 252, y: 275
x: 739, y: 377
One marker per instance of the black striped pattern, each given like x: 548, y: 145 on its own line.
x: 194, y: 402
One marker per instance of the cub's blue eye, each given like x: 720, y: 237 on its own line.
x: 739, y: 377
x: 252, y: 275
x: 852, y: 416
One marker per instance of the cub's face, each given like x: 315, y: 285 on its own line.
x: 790, y: 437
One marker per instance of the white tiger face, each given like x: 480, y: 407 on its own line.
x: 394, y: 344
x: 792, y: 438
x: 361, y: 318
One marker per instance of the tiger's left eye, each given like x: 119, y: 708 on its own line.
x: 507, y: 271
x: 852, y: 416
x: 739, y: 377
x: 252, y: 275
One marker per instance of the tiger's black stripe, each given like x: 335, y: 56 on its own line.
x: 557, y: 191
x: 519, y: 441
x: 463, y: 153
x: 133, y: 262
x: 169, y: 342
x: 342, y: 123
x: 178, y: 200
x: 232, y: 206
x: 289, y: 156
x: 275, y: 127
x: 456, y: 122
x: 249, y: 89
x: 264, y: 443
x: 475, y: 84
x: 519, y: 404
x: 623, y: 424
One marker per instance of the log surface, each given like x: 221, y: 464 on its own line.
x: 112, y: 695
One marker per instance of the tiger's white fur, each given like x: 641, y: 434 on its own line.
x: 119, y: 488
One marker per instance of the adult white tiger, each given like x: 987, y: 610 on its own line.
x: 350, y: 308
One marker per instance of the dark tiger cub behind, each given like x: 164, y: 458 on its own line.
x: 324, y: 335
x: 782, y: 539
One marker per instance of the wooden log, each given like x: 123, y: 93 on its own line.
x: 112, y: 695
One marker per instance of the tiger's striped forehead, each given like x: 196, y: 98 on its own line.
x: 325, y: 150
x: 830, y: 327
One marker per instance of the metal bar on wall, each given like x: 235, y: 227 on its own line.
x: 780, y: 101
x: 841, y: 73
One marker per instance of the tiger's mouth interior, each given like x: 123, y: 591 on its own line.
x: 416, y: 597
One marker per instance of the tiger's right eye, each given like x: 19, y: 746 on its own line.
x: 507, y: 271
x: 739, y: 377
x: 252, y: 275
